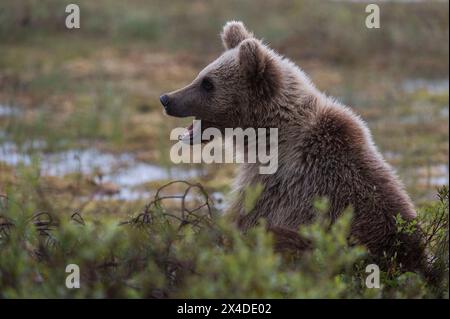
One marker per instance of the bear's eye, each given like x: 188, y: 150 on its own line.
x: 207, y: 85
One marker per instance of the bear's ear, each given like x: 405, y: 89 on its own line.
x: 234, y: 32
x: 258, y: 66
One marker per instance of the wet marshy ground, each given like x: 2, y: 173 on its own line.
x: 85, y: 117
x: 124, y: 175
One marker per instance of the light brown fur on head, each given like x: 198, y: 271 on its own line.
x: 325, y: 149
x: 234, y: 32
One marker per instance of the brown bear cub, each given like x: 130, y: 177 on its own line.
x: 324, y: 149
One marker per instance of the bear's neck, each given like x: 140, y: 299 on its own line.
x: 295, y: 105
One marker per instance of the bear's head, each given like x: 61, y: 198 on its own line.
x: 233, y: 90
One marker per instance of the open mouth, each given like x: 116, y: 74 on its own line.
x: 194, y: 132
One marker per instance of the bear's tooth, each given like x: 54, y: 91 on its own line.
x: 186, y: 136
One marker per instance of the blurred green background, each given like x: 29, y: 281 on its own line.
x: 80, y: 120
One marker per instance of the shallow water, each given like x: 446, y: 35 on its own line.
x: 126, y: 173
x: 6, y: 110
x: 438, y: 86
x: 434, y: 175
x: 122, y: 170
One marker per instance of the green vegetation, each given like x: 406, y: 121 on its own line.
x: 192, y: 252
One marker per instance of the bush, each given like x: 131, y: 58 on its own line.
x: 192, y: 251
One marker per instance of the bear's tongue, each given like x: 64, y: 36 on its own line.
x: 192, y: 134
x: 188, y: 134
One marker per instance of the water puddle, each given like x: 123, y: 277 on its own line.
x: 8, y: 111
x: 122, y: 172
x: 435, y: 175
x: 439, y: 86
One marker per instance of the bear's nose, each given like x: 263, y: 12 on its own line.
x: 164, y: 100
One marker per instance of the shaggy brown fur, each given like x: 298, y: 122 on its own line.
x: 325, y: 150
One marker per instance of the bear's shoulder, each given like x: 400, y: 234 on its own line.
x: 335, y: 130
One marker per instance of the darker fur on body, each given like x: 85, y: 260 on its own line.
x: 324, y: 153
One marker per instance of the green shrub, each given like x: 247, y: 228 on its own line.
x: 194, y: 252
